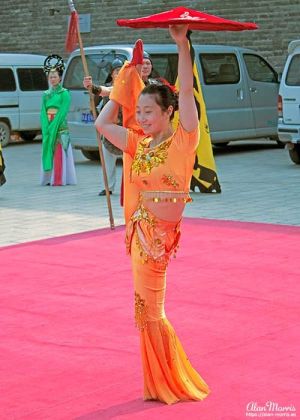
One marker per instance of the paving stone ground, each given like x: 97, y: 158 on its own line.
x: 259, y: 184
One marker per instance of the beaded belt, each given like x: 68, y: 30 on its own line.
x: 166, y: 196
x: 166, y: 205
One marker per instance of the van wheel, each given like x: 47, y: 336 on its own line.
x: 28, y: 135
x: 295, y: 154
x: 91, y: 154
x: 4, y: 133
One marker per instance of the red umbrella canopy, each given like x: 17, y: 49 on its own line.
x: 182, y: 15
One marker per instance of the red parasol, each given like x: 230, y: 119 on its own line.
x: 182, y: 15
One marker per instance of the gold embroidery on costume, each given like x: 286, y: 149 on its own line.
x: 169, y: 180
x: 146, y: 161
x: 144, y: 256
x: 141, y: 310
x: 142, y: 214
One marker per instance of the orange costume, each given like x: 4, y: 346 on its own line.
x: 156, y: 188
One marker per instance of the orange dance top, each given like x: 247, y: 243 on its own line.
x: 161, y: 173
x: 165, y: 168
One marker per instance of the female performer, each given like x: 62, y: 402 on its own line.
x: 57, y: 157
x: 158, y: 165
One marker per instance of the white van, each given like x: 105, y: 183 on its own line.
x: 289, y: 102
x: 240, y: 89
x: 22, y: 82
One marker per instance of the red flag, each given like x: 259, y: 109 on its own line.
x: 72, y: 35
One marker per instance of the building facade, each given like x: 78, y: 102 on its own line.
x: 40, y: 26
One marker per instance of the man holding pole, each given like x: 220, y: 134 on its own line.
x: 110, y: 152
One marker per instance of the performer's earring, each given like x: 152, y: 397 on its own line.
x: 170, y: 110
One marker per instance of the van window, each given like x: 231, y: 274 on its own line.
x: 293, y: 74
x: 219, y: 69
x: 7, y: 80
x: 259, y: 70
x: 165, y: 65
x: 31, y: 79
x: 98, y: 65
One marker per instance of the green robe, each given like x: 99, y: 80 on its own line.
x: 60, y: 99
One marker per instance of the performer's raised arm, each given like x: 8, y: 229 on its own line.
x: 187, y: 107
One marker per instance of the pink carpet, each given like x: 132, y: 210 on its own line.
x: 69, y: 348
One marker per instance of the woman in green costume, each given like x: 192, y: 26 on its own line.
x: 57, y: 157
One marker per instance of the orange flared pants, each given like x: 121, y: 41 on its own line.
x: 168, y: 374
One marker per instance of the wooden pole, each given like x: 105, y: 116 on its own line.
x: 94, y: 112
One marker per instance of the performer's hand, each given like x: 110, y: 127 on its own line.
x: 87, y: 82
x: 178, y: 32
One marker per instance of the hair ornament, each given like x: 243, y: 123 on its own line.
x: 165, y: 82
x: 54, y: 62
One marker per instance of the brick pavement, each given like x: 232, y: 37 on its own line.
x: 259, y: 183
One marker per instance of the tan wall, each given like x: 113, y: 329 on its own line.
x: 27, y: 26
